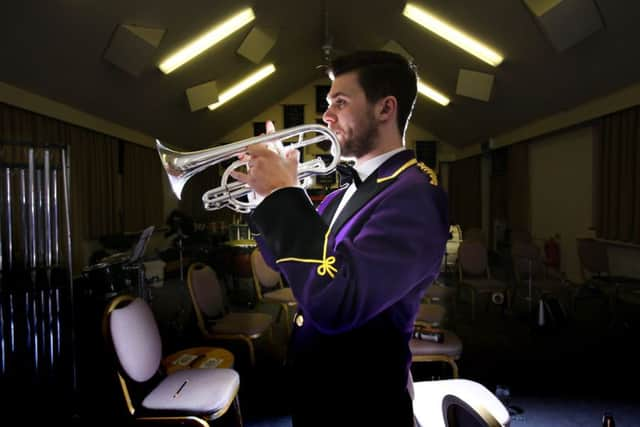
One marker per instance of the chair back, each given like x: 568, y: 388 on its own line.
x: 527, y: 261
x: 134, y: 334
x: 263, y: 275
x: 474, y: 234
x: 458, y: 413
x: 593, y: 257
x: 205, y: 290
x: 207, y: 296
x: 472, y: 258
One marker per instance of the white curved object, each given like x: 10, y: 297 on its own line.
x: 428, y: 395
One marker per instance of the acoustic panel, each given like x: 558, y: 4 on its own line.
x: 474, y: 84
x: 202, y: 95
x: 133, y: 48
x: 540, y: 7
x: 257, y: 44
x: 153, y: 36
x: 570, y: 22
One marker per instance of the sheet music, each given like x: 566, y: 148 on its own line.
x: 141, y: 246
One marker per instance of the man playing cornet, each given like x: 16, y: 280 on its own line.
x: 359, y: 264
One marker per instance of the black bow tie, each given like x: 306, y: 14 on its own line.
x: 348, y: 174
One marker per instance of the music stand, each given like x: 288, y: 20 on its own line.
x: 134, y: 261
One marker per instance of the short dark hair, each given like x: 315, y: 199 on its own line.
x: 382, y: 73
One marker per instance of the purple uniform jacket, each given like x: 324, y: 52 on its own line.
x: 358, y: 284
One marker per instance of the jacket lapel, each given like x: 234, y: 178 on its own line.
x: 367, y: 190
x: 330, y: 210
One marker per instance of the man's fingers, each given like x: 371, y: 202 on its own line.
x: 239, y: 176
x: 270, y: 127
x: 292, y: 155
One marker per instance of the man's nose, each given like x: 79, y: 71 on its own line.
x: 328, y: 117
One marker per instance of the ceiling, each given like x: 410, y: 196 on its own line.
x: 56, y: 49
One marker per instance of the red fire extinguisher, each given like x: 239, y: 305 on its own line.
x: 552, y: 253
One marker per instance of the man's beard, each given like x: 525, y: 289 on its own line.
x: 360, y: 145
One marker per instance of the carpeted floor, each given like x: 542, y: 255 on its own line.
x: 566, y: 374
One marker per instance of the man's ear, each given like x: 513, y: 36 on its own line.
x: 387, y: 108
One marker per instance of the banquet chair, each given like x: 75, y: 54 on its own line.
x: 457, y: 402
x: 187, y: 396
x: 425, y: 347
x: 475, y: 276
x: 475, y: 235
x: 431, y: 315
x: 431, y: 342
x: 540, y: 283
x: 442, y: 294
x: 269, y: 287
x: 596, y: 275
x: 215, y: 321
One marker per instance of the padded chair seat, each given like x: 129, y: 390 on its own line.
x: 283, y: 295
x: 428, y: 396
x: 195, y: 390
x: 250, y: 324
x: 451, y: 346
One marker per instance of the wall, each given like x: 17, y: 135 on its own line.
x: 38, y: 104
x: 306, y: 96
x: 561, y: 191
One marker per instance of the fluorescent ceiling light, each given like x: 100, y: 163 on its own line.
x: 207, y: 40
x: 243, y: 85
x: 451, y: 34
x: 432, y: 94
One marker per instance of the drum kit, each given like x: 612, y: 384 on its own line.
x: 119, y: 272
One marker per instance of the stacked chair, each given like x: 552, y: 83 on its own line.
x: 540, y: 284
x: 433, y: 343
x: 474, y: 276
x: 598, y: 278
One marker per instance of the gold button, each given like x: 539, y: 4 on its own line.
x: 299, y: 320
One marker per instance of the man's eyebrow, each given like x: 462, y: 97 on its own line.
x: 335, y: 95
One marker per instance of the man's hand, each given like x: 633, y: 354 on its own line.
x: 267, y: 171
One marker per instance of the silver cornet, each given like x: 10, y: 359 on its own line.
x: 180, y: 166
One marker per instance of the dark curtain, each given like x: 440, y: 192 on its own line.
x: 510, y: 188
x: 617, y: 176
x: 141, y: 187
x: 465, y: 193
x: 518, y: 188
x: 96, y: 175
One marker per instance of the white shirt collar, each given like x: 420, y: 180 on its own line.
x: 365, y: 169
